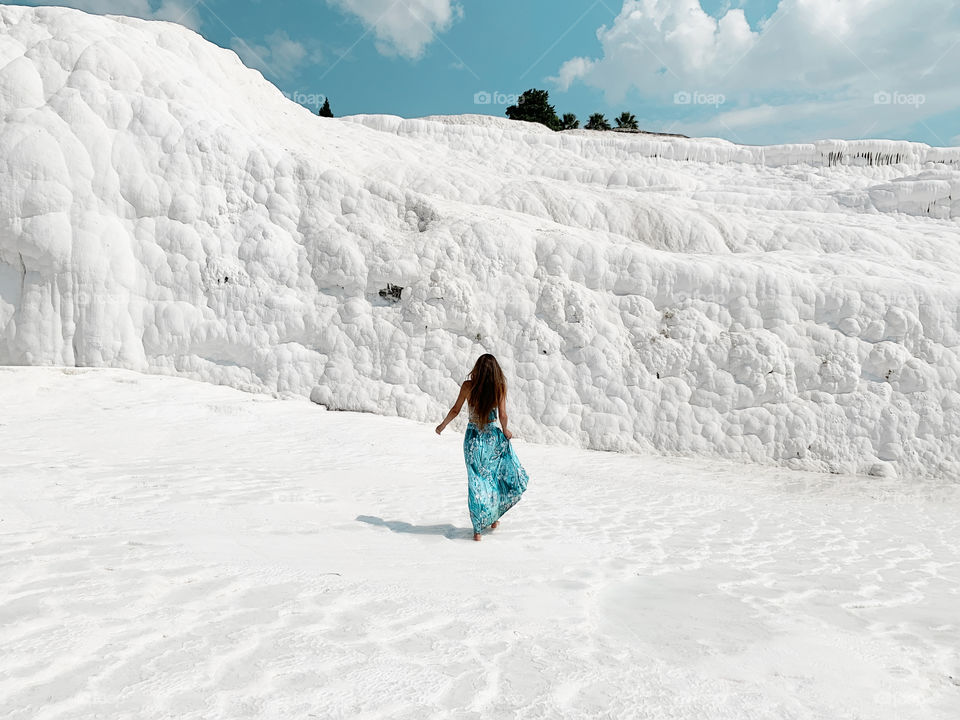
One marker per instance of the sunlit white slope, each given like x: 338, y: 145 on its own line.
x: 164, y: 208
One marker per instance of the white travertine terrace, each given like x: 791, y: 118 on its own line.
x: 165, y: 209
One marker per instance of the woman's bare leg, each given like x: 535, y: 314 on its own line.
x: 495, y: 525
x: 476, y: 536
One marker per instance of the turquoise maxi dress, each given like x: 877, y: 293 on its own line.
x: 495, y: 478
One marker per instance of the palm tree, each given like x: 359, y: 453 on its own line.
x: 569, y: 122
x: 597, y: 122
x: 627, y: 121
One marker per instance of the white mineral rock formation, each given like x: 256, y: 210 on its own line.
x: 165, y: 209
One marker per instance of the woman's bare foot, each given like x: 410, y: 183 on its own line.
x: 495, y: 525
x: 476, y: 536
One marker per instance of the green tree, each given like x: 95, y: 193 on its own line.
x: 597, y: 122
x: 627, y: 121
x: 569, y: 122
x: 325, y: 111
x: 534, y: 106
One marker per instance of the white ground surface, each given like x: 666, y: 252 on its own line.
x: 172, y: 549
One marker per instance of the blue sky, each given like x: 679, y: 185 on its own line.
x: 757, y: 71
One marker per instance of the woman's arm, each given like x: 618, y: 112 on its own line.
x: 502, y: 414
x: 455, y: 410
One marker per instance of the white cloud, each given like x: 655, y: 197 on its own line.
x: 573, y: 70
x: 809, y: 58
x: 178, y: 11
x: 403, y: 27
x: 279, y: 56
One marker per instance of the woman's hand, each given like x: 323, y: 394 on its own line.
x: 507, y: 434
x: 455, y: 410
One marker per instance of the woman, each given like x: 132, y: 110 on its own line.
x: 495, y: 478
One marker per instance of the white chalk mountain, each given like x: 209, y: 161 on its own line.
x: 165, y: 209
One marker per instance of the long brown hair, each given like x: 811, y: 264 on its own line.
x: 488, y: 386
